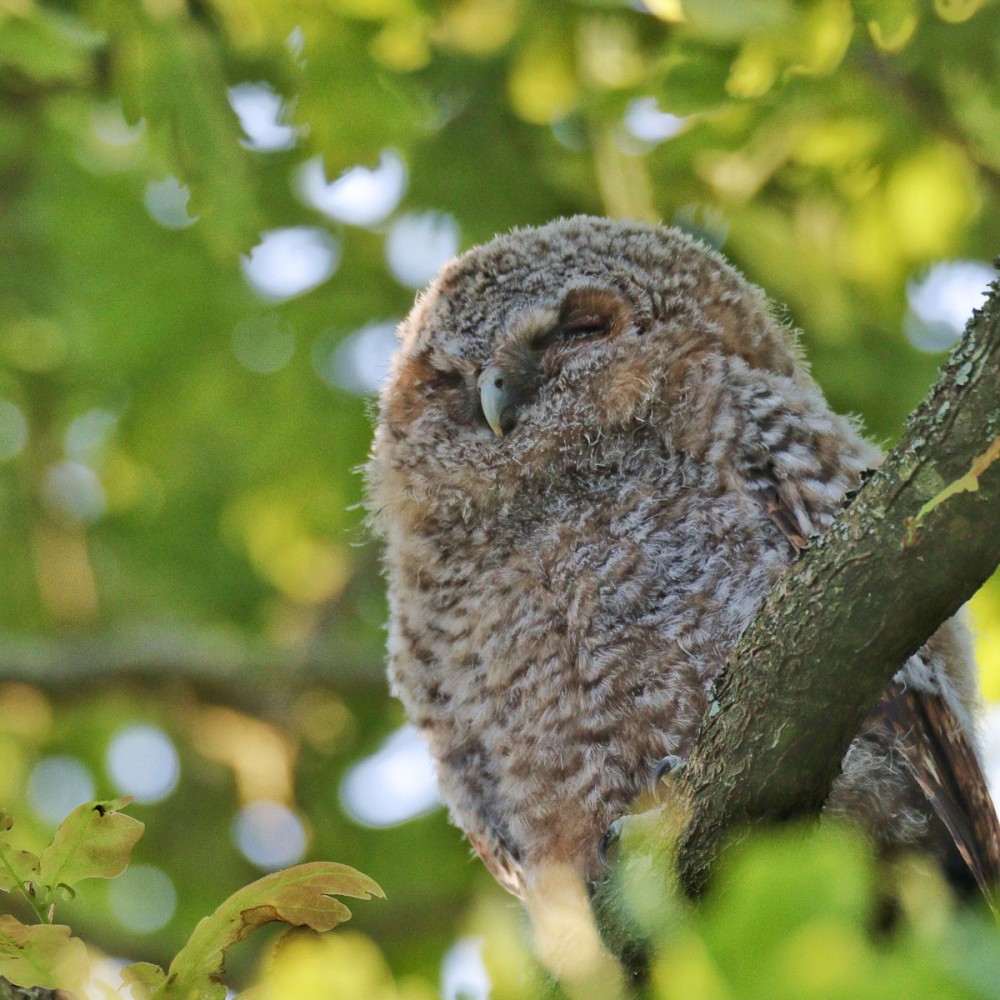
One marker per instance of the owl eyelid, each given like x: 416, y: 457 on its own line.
x: 574, y: 329
x: 585, y: 326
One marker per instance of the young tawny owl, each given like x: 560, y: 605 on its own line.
x: 597, y: 452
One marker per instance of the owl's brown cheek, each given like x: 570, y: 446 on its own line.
x: 404, y: 399
x: 399, y: 410
x: 417, y: 387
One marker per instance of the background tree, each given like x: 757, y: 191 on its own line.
x: 212, y: 213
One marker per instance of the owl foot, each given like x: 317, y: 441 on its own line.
x: 607, y: 847
x: 669, y: 767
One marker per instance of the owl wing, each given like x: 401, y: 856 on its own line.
x: 923, y: 728
x: 781, y: 515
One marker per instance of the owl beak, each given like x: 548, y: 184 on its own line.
x: 497, y: 399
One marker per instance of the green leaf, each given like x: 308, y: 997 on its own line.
x: 16, y: 867
x: 170, y: 71
x: 144, y: 978
x: 731, y: 22
x: 46, y: 47
x: 93, y: 841
x: 301, y: 896
x: 891, y: 22
x: 693, y: 81
x: 41, y: 955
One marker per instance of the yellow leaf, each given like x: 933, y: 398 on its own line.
x: 402, y: 46
x: 825, y: 958
x: 42, y: 955
x: 16, y: 867
x: 892, y: 23
x: 686, y: 970
x: 93, y: 841
x: 345, y: 966
x: 144, y: 978
x: 671, y: 11
x: 477, y: 26
x: 302, y: 896
x: 930, y: 196
x: 754, y: 70
x: 985, y: 610
x: 956, y: 11
x: 542, y: 84
x: 824, y: 36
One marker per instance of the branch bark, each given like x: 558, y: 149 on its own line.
x: 256, y: 677
x: 915, y: 544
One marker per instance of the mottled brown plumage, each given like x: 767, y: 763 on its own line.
x: 597, y: 452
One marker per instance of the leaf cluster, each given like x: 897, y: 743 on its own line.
x: 96, y: 841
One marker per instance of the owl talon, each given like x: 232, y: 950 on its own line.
x: 608, y: 841
x: 669, y: 767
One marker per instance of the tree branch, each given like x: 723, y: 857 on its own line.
x: 257, y: 677
x: 918, y: 540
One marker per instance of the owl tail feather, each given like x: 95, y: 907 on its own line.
x: 937, y: 752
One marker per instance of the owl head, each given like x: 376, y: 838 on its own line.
x: 546, y: 351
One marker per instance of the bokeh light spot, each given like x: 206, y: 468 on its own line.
x: 418, y: 244
x: 269, y: 834
x: 943, y: 300
x: 645, y: 121
x: 167, y: 203
x: 143, y: 898
x: 88, y: 434
x: 73, y: 489
x: 33, y: 343
x: 358, y: 362
x: 323, y: 719
x: 261, y: 756
x: 111, y: 144
x: 25, y: 711
x: 463, y: 972
x: 359, y: 196
x: 263, y: 344
x: 109, y: 125
x: 394, y: 784
x: 296, y: 42
x: 288, y: 262
x: 143, y: 763
x: 13, y: 430
x: 571, y: 132
x: 261, y: 112
x: 57, y: 785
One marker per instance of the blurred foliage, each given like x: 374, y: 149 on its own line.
x: 796, y: 919
x: 95, y: 841
x: 179, y: 531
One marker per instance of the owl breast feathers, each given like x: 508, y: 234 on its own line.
x: 597, y: 452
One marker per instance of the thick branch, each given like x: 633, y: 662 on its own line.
x: 257, y: 677
x: 916, y: 543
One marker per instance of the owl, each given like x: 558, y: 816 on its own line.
x: 597, y: 451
